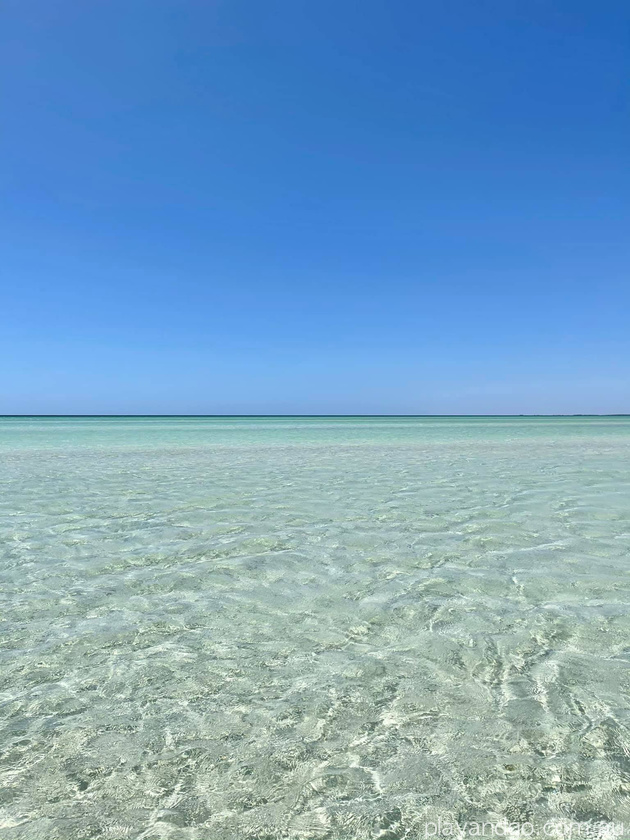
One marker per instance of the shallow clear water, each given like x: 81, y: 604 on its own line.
x: 312, y: 628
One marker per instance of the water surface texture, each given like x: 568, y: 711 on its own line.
x: 261, y: 628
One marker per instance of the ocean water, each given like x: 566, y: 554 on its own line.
x: 262, y: 628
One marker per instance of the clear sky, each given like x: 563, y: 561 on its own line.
x: 315, y: 206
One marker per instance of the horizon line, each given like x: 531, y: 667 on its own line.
x: 98, y: 416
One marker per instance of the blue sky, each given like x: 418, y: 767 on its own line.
x: 296, y: 206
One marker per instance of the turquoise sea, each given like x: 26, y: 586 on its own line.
x: 358, y: 627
